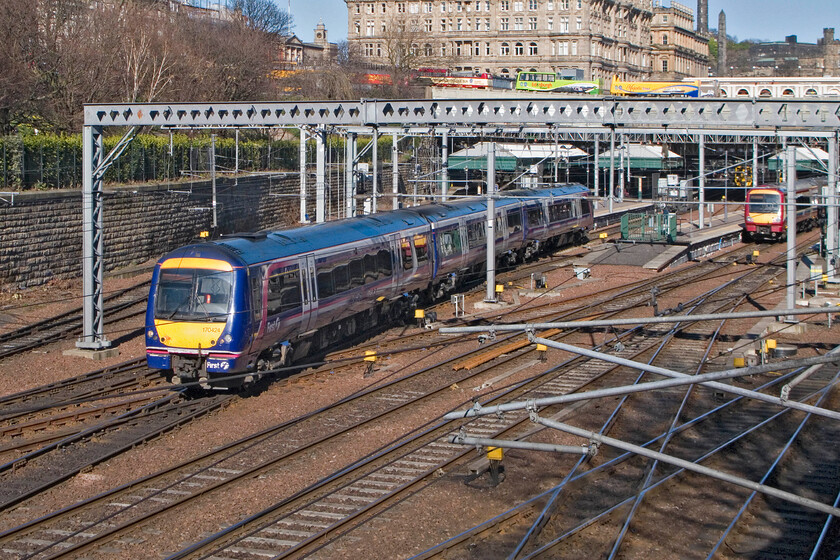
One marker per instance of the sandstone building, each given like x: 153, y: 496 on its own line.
x: 587, y: 38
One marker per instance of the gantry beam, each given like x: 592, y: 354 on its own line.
x: 568, y: 119
x: 611, y: 112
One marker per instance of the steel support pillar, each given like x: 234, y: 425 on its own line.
x: 490, y: 295
x: 93, y: 263
x: 755, y: 162
x: 621, y: 177
x: 320, y: 176
x: 303, y: 217
x: 790, y: 164
x: 444, y: 166
x: 701, y: 181
x: 375, y: 186
x: 831, y: 229
x: 395, y: 172
x: 350, y: 174
x: 612, y: 169
x: 597, y: 170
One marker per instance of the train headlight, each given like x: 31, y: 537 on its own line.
x: 150, y: 333
x: 227, y: 338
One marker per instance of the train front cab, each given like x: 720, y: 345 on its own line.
x: 764, y: 213
x: 197, y: 319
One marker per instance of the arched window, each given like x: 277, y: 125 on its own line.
x: 664, y: 38
x: 427, y: 49
x: 811, y: 92
x: 519, y: 49
x: 532, y: 49
x: 505, y: 72
x: 743, y: 93
x: 504, y: 50
x: 765, y: 93
x: 787, y: 93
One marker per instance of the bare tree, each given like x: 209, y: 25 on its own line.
x: 18, y: 54
x: 263, y: 15
x: 405, y: 48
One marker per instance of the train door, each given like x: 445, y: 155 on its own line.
x: 309, y: 292
x: 256, y: 274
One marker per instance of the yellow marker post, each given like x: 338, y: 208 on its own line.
x: 543, y: 351
x: 204, y: 234
x: 370, y: 358
x: 420, y: 315
x: 495, y: 453
x: 771, y: 344
x: 603, y: 235
x: 739, y: 362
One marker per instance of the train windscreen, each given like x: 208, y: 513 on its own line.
x: 764, y: 203
x: 193, y: 294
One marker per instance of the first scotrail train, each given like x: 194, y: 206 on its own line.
x: 221, y: 312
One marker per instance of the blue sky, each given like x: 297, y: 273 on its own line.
x: 747, y: 19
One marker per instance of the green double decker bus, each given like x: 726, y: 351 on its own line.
x: 550, y: 81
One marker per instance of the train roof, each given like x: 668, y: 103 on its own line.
x: 251, y: 248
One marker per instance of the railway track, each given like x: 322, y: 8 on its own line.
x: 248, y: 458
x: 119, y: 306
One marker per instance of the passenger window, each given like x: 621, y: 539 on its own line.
x: 475, y: 234
x: 421, y: 248
x: 514, y: 221
x: 255, y: 276
x: 408, y: 262
x: 357, y: 272
x: 371, y: 272
x: 341, y: 279
x: 450, y: 242
x: 383, y: 261
x: 325, y: 284
x: 535, y: 217
x: 284, y: 290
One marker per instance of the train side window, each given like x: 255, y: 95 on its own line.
x: 383, y: 261
x: 325, y: 284
x: 450, y: 242
x: 341, y: 278
x: 514, y: 221
x: 405, y: 248
x: 421, y: 248
x: 371, y: 270
x: 357, y: 272
x: 560, y: 211
x: 535, y: 217
x: 284, y: 290
x: 475, y: 234
x: 586, y: 207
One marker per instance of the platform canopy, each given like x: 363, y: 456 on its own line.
x: 509, y: 155
x: 643, y: 156
x: 807, y: 159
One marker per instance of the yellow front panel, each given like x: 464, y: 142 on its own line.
x: 189, y: 335
x: 211, y: 264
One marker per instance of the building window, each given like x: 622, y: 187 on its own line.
x: 379, y: 49
x: 487, y: 49
x: 427, y: 50
x: 459, y: 24
x: 443, y: 7
x: 368, y: 49
x: 443, y: 25
x: 532, y: 49
x: 564, y: 24
x: 477, y: 24
x: 401, y: 7
x: 574, y: 48
x: 564, y: 4
x: 518, y: 6
x: 504, y: 24
x: 549, y: 5
x: 549, y: 24
x: 478, y: 6
x: 414, y: 8
x: 371, y: 8
x: 370, y: 30
x: 358, y: 8
x: 357, y: 27
x: 504, y: 50
x: 427, y: 7
x: 563, y: 48
x: 579, y: 4
x: 532, y: 5
x: 504, y: 5
x: 518, y: 25
x: 459, y: 7
x: 664, y: 38
x: 443, y: 49
x: 664, y: 18
x: 579, y: 23
x: 427, y: 26
x: 487, y: 24
x: 519, y: 49
x: 664, y: 65
x: 532, y: 23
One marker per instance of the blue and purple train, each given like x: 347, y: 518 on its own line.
x: 222, y: 312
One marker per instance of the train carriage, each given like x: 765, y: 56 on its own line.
x: 220, y: 312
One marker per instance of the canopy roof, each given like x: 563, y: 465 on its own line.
x: 509, y: 153
x: 642, y: 156
x: 807, y: 159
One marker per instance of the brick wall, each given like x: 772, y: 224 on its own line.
x: 41, y: 233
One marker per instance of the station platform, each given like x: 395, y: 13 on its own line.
x: 722, y: 229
